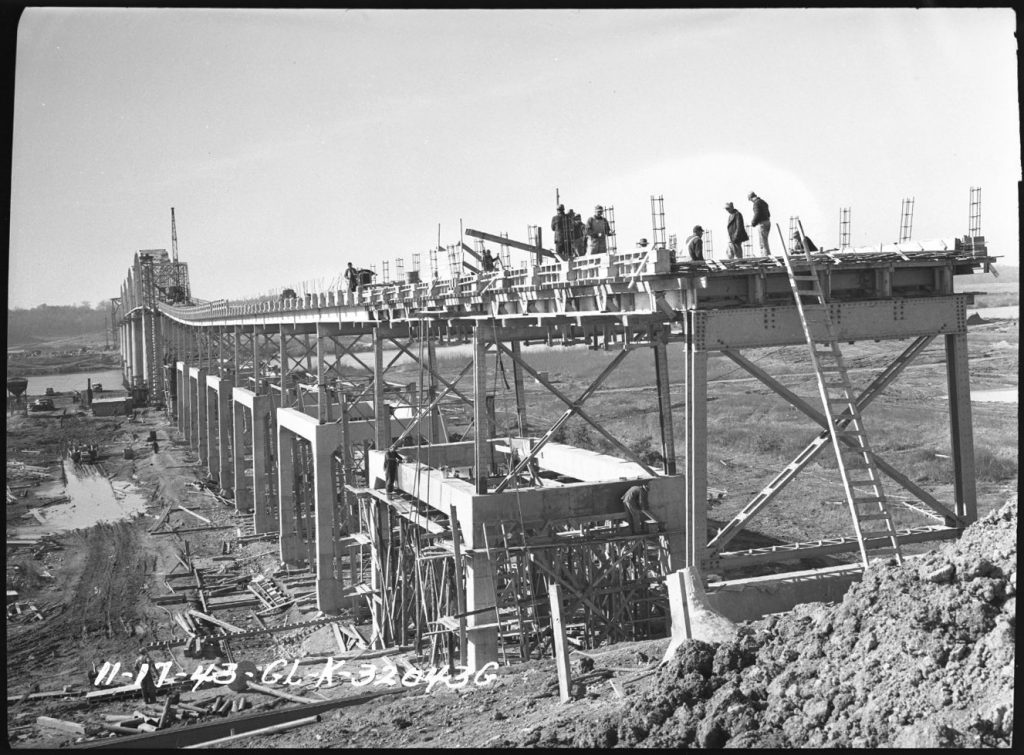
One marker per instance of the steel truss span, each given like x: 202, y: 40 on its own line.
x: 291, y: 407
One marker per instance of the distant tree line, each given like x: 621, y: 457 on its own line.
x: 47, y: 321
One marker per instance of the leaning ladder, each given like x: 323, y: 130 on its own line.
x: 872, y: 521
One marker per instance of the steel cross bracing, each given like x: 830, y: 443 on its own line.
x: 900, y: 292
x: 767, y: 494
x: 871, y: 517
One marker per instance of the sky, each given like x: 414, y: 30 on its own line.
x: 292, y: 142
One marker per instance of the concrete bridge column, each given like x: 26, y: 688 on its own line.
x: 211, y: 428
x: 181, y: 405
x: 223, y: 462
x: 129, y: 335
x: 242, y: 433
x: 329, y: 585
x: 146, y: 353
x: 290, y: 541
x: 138, y: 356
x: 122, y: 334
x: 481, y: 644
x: 265, y: 502
x: 197, y: 413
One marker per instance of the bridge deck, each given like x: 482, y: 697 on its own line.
x: 631, y: 283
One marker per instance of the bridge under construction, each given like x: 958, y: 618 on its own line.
x: 289, y: 404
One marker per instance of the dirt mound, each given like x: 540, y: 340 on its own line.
x: 918, y: 655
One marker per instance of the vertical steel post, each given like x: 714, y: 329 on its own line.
x: 960, y: 427
x: 520, y: 388
x: 668, y: 444
x: 481, y: 455
x: 696, y: 449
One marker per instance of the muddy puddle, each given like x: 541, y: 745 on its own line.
x: 91, y: 499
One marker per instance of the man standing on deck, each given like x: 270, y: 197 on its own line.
x: 598, y: 229
x: 352, y: 276
x: 762, y: 221
x: 578, y: 232
x: 391, y: 459
x: 560, y: 225
x: 737, y: 233
x: 695, y: 244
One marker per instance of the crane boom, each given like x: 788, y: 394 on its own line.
x: 174, y: 239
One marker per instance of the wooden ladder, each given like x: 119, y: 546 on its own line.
x: 871, y: 518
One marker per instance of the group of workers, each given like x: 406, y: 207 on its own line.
x: 573, y: 236
x: 760, y: 222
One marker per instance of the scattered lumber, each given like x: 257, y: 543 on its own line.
x: 219, y: 622
x: 279, y: 693
x: 117, y: 728
x: 58, y: 724
x: 197, y: 516
x: 256, y: 732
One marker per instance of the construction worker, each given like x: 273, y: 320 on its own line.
x: 578, y: 234
x: 598, y: 230
x: 487, y: 261
x: 641, y: 245
x: 762, y: 221
x: 635, y: 503
x: 695, y: 244
x: 352, y: 276
x: 391, y: 460
x: 737, y: 232
x: 560, y: 224
x: 147, y: 684
x: 798, y: 246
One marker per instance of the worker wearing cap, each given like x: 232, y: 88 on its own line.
x: 598, y: 231
x: 352, y: 276
x: 641, y: 245
x: 695, y: 244
x: 560, y: 225
x: 737, y: 232
x: 635, y: 502
x: 799, y: 245
x: 762, y: 221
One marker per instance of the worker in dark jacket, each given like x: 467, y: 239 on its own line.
x: 598, y: 230
x: 578, y: 234
x: 762, y: 221
x: 560, y: 224
x: 352, y: 276
x: 147, y: 684
x: 487, y: 261
x: 391, y: 460
x: 737, y: 232
x: 695, y: 244
x: 798, y: 245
